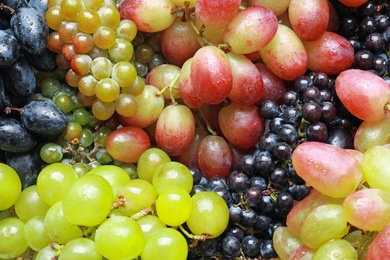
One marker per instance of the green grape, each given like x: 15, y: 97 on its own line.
x: 172, y: 174
x: 119, y: 237
x: 126, y: 105
x: 124, y: 73
x: 81, y: 116
x: 376, y: 167
x: 80, y: 169
x: 173, y: 206
x: 46, y: 253
x: 51, y: 152
x: 336, y: 249
x: 97, y: 52
x: 10, y: 186
x: 77, y: 104
x: 107, y: 90
x: 88, y: 201
x: 93, y: 4
x: 67, y: 30
x: 322, y: 224
x: 165, y: 244
x: 138, y: 195
x: 115, y: 175
x: 30, y: 204
x: 70, y: 9
x: 58, y: 228
x: 103, y: 156
x: 137, y: 87
x: 87, y: 85
x: 80, y: 249
x: 49, y: 86
x: 101, y: 68
x: 54, y: 181
x: 149, y: 224
x: 93, y: 165
x: 88, y: 21
x: 126, y: 29
x: 109, y: 16
x: 130, y: 168
x: 101, y: 135
x: 104, y: 37
x: 35, y: 233
x: 64, y: 102
x: 209, y: 214
x: 53, y: 17
x: 144, y: 53
x: 12, y: 241
x: 73, y: 130
x: 103, y: 110
x: 86, y: 138
x: 122, y: 50
x: 83, y: 42
x: 285, y: 242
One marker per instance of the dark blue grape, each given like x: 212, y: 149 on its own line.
x: 235, y: 214
x: 288, y: 133
x: 238, y: 181
x: 299, y: 191
x: 282, y: 151
x: 268, y: 109
x: 217, y: 181
x: 262, y: 222
x: 292, y: 115
x: 250, y: 246
x: 197, y: 188
x: 311, y: 111
x: 9, y: 48
x: 264, y: 162
x: 27, y: 165
x: 40, y: 5
x: 317, y: 132
x: 340, y: 137
x: 259, y: 182
x: 267, y: 250
x: 235, y: 231
x: 14, y: 137
x: 252, y: 196
x: 267, y: 141
x: 231, y: 247
x: 246, y: 165
x: 44, y: 61
x: 274, y: 124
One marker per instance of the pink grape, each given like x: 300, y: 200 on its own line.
x: 274, y: 87
x: 353, y: 3
x: 206, y: 12
x: 278, y: 7
x: 251, y: 29
x: 211, y: 75
x: 303, y: 252
x: 327, y: 168
x: 380, y: 247
x: 363, y: 93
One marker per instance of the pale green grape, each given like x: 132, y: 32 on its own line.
x: 172, y: 174
x: 10, y: 186
x: 138, y: 194
x: 115, y: 175
x: 88, y: 201
x: 46, y: 253
x: 150, y: 161
x: 30, y: 204
x: 58, y: 228
x: 54, y: 181
x: 324, y: 223
x: 119, y: 238
x: 173, y: 206
x: 80, y: 249
x: 209, y: 214
x: 376, y: 167
x: 336, y: 249
x: 101, y: 68
x: 122, y: 50
x: 124, y: 73
x: 149, y: 224
x: 285, y: 242
x: 35, y: 233
x: 12, y: 241
x: 165, y: 244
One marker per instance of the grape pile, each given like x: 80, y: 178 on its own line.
x: 255, y: 133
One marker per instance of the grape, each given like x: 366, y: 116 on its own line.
x: 54, y: 181
x: 172, y: 174
x: 122, y: 50
x: 274, y: 86
x: 12, y: 241
x: 35, y: 233
x: 175, y: 129
x: 314, y: 160
x: 162, y: 76
x: 104, y: 37
x: 211, y: 75
x: 379, y: 247
x: 209, y: 214
x: 126, y: 29
x: 10, y: 188
x: 149, y: 162
x: 285, y: 242
x: 251, y: 29
x: 137, y: 194
x: 124, y: 73
x: 109, y: 16
x: 46, y: 253
x: 353, y: 3
x: 369, y: 97
x: 205, y: 12
x: 30, y: 204
x: 101, y: 68
x: 287, y: 61
x: 126, y: 104
x: 85, y: 195
x: 173, y: 206
x: 79, y: 249
x: 355, y: 209
x: 107, y: 90
x: 167, y: 240
x: 102, y: 110
x: 336, y: 249
x: 278, y: 7
x: 374, y: 166
x: 119, y: 237
x: 149, y: 224
x: 57, y: 227
x: 51, y: 153
x: 9, y: 50
x: 303, y: 252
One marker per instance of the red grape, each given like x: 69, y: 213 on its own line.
x: 380, y: 247
x: 274, y: 87
x: 216, y: 14
x: 353, y: 3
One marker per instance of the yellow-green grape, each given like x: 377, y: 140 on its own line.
x: 138, y: 195
x: 126, y: 104
x: 149, y: 224
x: 87, y: 85
x: 103, y: 110
x: 93, y: 4
x: 122, y: 50
x: 136, y: 88
x: 51, y: 3
x: 35, y: 233
x: 73, y: 130
x: 209, y: 214
x: 173, y: 206
x: 124, y: 73
x: 376, y: 167
x: 83, y: 42
x: 172, y: 174
x: 324, y: 223
x: 285, y: 242
x: 80, y: 169
x: 109, y: 16
x: 115, y: 175
x: 54, y: 181
x: 88, y: 21
x: 119, y: 237
x: 167, y: 240
x: 12, y: 241
x: 86, y: 138
x: 101, y: 135
x: 150, y: 161
x: 46, y: 253
x: 72, y: 78
x: 51, y: 152
x: 58, y: 228
x: 97, y: 52
x: 10, y: 186
x: 53, y: 17
x: 80, y: 249
x: 104, y: 37
x: 107, y: 90
x: 126, y: 29
x: 101, y: 68
x: 67, y: 30
x: 81, y: 64
x: 70, y: 9
x: 336, y: 249
x: 30, y: 204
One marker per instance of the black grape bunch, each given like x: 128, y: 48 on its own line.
x: 24, y: 123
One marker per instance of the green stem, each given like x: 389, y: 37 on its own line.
x: 192, y: 236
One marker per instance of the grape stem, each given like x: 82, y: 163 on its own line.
x: 143, y: 213
x: 209, y: 128
x: 3, y: 6
x: 192, y: 236
x: 170, y: 86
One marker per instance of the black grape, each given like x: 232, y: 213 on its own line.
x: 30, y: 29
x: 19, y: 78
x: 43, y: 118
x: 9, y: 48
x: 45, y: 61
x: 10, y: 5
x: 40, y: 5
x: 27, y: 165
x: 14, y: 137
